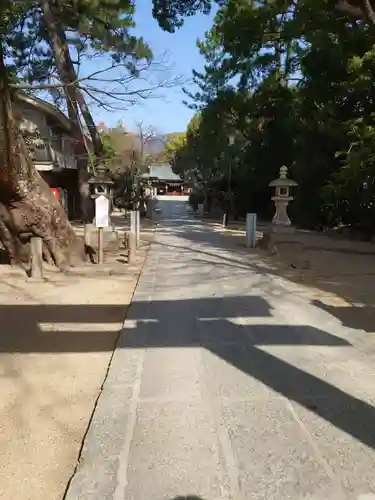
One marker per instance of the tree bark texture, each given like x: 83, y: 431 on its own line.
x: 67, y: 72
x: 75, y: 101
x: 81, y: 156
x: 27, y: 205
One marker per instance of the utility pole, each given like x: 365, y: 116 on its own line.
x: 229, y: 186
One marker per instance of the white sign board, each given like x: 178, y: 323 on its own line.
x: 102, y: 211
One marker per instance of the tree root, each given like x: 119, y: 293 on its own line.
x: 27, y: 205
x: 44, y: 217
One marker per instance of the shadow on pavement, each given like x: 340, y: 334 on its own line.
x: 207, y: 323
x: 359, y: 318
x: 188, y: 497
x: 353, y: 286
x: 59, y: 328
x: 201, y: 232
x: 4, y: 257
x: 220, y: 259
x: 204, y: 322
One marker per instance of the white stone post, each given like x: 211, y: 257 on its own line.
x: 36, y: 248
x: 251, y: 230
x: 138, y: 227
x: 133, y: 222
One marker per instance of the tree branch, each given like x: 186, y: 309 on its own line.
x: 360, y: 10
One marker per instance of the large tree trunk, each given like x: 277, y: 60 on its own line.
x: 27, y: 205
x: 75, y: 100
x: 67, y: 72
x: 80, y: 153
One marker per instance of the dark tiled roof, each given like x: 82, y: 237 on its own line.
x: 162, y: 172
x: 45, y: 107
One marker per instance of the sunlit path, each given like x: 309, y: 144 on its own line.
x: 227, y: 384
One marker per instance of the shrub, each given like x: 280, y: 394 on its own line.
x: 195, y: 199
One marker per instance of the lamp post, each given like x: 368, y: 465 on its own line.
x: 229, y: 186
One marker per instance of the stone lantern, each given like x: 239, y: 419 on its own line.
x: 101, y: 183
x: 282, y: 197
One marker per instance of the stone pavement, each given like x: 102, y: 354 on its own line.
x: 228, y: 384
x: 56, y: 342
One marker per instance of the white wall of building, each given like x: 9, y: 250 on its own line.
x: 57, y: 143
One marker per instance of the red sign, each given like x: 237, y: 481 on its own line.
x: 55, y: 191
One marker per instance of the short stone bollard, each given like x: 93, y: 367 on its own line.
x: 267, y: 242
x: 132, y: 247
x: 138, y: 227
x: 251, y: 230
x: 100, y: 246
x: 130, y: 243
x: 87, y: 228
x: 36, y: 251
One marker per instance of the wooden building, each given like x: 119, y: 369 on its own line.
x: 48, y: 135
x: 164, y: 180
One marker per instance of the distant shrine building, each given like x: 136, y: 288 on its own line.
x: 165, y: 181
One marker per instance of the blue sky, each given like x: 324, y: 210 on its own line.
x: 168, y: 114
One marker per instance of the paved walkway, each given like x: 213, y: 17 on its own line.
x: 228, y: 384
x: 56, y: 342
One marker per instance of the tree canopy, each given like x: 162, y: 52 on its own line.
x: 284, y: 82
x: 292, y: 83
x: 42, y: 45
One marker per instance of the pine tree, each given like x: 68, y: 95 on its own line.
x: 27, y: 206
x: 56, y: 26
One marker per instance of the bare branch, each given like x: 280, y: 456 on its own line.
x: 361, y: 9
x: 369, y: 11
x: 102, y: 104
x: 59, y: 84
x: 120, y: 85
x: 348, y: 8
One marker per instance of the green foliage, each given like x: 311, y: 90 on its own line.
x: 91, y: 26
x: 196, y: 198
x: 293, y: 84
x: 175, y: 142
x: 171, y: 13
x: 125, y: 162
